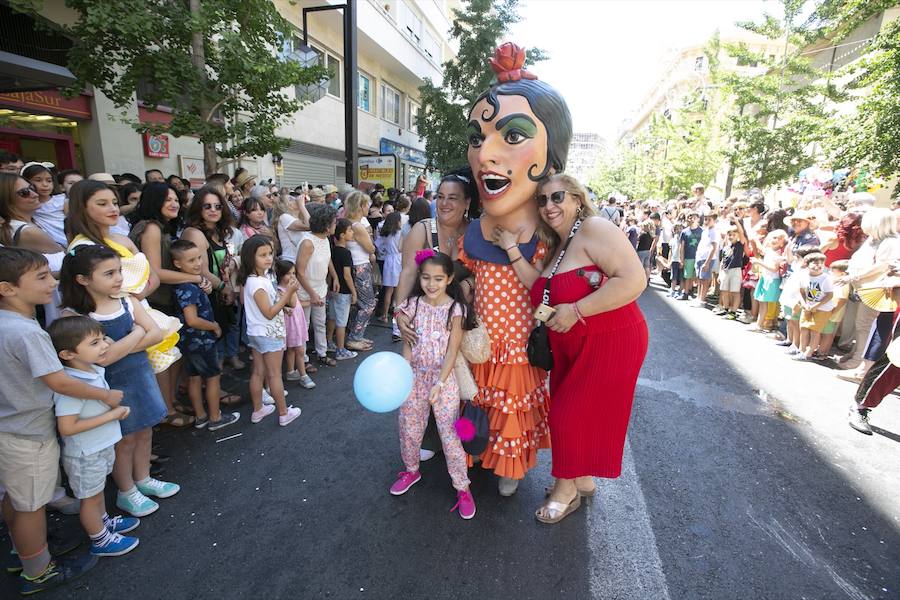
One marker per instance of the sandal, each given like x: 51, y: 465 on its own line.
x: 177, y: 420
x: 325, y: 361
x: 358, y: 346
x: 586, y: 495
x: 556, y: 511
x: 184, y: 409
x: 311, y: 368
x: 229, y: 399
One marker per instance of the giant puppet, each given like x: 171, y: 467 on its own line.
x: 519, y: 132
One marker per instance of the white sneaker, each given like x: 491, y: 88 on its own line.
x: 425, y: 455
x: 267, y: 398
x: 286, y: 419
x: 507, y: 487
x: 292, y: 375
x: 306, y: 382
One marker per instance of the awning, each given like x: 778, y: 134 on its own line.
x: 20, y: 73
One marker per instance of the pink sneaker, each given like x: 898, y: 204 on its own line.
x: 286, y: 419
x: 258, y: 415
x: 405, y: 480
x: 466, y: 504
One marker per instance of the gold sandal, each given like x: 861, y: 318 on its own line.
x: 557, y: 511
x: 585, y: 495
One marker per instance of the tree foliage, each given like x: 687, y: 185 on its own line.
x: 675, y: 151
x: 780, y: 108
x: 871, y: 136
x: 478, y: 28
x: 217, y: 64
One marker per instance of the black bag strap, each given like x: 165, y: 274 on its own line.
x: 546, y: 297
x: 17, y: 233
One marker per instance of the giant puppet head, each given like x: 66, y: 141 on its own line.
x: 519, y: 132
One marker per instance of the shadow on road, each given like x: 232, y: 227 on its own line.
x: 742, y: 503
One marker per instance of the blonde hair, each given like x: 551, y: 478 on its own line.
x: 878, y: 224
x: 575, y: 189
x: 778, y: 234
x: 283, y: 207
x: 354, y: 203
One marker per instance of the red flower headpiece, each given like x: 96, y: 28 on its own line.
x: 423, y: 255
x: 508, y: 63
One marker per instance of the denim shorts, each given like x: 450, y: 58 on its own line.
x: 338, y: 308
x: 264, y: 345
x: 202, y: 362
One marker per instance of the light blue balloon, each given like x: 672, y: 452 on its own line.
x: 383, y: 382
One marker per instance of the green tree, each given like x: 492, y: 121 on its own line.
x: 218, y: 64
x: 478, y: 28
x: 780, y: 111
x: 871, y: 137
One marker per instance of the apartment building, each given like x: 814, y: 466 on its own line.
x: 584, y: 151
x: 400, y: 43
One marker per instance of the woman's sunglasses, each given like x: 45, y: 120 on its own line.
x: 557, y: 198
x: 25, y: 192
x: 212, y: 207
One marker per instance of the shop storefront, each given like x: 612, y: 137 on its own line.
x: 412, y: 162
x: 44, y: 126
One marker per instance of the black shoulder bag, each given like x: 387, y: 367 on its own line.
x: 539, y: 354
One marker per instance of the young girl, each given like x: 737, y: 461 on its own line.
x: 296, y: 329
x: 438, y: 312
x: 387, y: 243
x: 771, y: 265
x: 90, y: 278
x: 265, y: 327
x: 253, y: 219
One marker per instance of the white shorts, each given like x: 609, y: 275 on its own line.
x: 87, y: 473
x: 730, y: 280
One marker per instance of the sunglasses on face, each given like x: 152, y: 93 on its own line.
x: 556, y: 197
x: 212, y: 207
x: 25, y: 192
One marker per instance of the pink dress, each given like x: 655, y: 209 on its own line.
x: 295, y: 327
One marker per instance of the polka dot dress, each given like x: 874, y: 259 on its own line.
x: 513, y: 393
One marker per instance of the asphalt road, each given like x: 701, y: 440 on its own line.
x: 741, y: 480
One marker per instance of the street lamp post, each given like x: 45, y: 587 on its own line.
x: 351, y: 82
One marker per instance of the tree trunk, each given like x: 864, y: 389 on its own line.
x: 210, y: 158
x: 198, y: 58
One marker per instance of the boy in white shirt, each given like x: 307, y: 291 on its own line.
x: 90, y: 430
x: 816, y: 292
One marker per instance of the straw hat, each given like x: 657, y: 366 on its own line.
x: 103, y: 178
x: 800, y: 215
x: 330, y: 189
x: 243, y: 178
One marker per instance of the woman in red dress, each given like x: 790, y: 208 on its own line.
x: 598, y: 337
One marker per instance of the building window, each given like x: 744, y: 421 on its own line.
x: 413, y: 24
x: 698, y: 63
x: 334, y: 65
x: 432, y: 47
x: 365, y: 93
x: 412, y: 113
x: 326, y: 59
x: 389, y: 101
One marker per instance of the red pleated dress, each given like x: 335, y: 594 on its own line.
x: 595, y: 372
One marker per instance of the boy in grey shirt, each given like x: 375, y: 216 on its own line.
x: 29, y: 452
